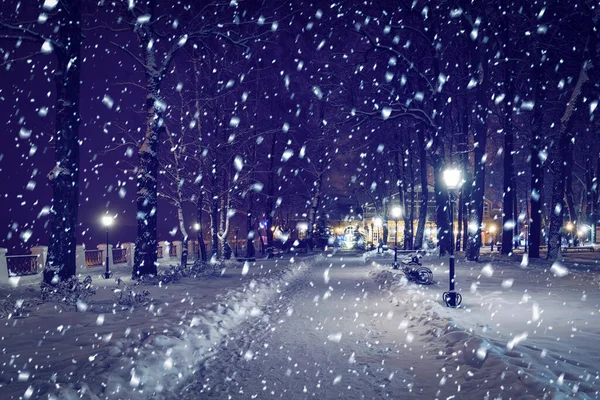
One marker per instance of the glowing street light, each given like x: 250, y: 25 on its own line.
x: 107, y: 221
x: 453, y: 179
x: 570, y: 227
x: 396, y: 214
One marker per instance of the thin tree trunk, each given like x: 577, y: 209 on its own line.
x: 271, y: 193
x: 465, y: 190
x: 199, y: 233
x: 560, y: 167
x: 480, y: 138
x: 424, y: 196
x: 411, y: 218
x: 509, y: 187
x: 250, y: 250
x: 537, y: 173
x: 64, y: 177
x: 442, y: 203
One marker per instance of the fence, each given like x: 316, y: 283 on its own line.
x: 93, y: 258
x: 22, y: 265
x: 119, y: 256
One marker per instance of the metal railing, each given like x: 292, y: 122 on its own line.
x: 94, y: 258
x: 22, y: 265
x: 119, y: 256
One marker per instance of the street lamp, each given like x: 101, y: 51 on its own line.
x: 493, y: 235
x: 396, y: 214
x: 107, y: 221
x: 570, y: 230
x: 453, y: 179
x: 197, y: 228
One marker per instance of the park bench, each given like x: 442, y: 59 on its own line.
x: 415, y: 272
x: 578, y: 249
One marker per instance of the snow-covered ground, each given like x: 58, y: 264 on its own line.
x: 525, y: 329
x: 333, y: 326
x: 112, y: 351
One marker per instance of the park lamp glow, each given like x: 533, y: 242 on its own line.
x: 107, y: 220
x: 197, y: 226
x: 377, y: 221
x: 569, y: 226
x: 492, y: 228
x: 452, y: 178
x: 396, y: 213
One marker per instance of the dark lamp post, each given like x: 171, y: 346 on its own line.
x: 453, y: 180
x: 396, y: 214
x: 107, y: 221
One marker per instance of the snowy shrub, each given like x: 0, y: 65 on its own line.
x: 11, y: 308
x: 69, y: 293
x: 130, y: 297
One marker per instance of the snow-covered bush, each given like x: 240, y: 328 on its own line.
x: 69, y: 293
x: 11, y: 308
x: 129, y: 296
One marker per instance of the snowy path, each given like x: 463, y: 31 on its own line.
x: 333, y: 333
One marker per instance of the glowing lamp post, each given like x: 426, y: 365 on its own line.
x: 493, y: 236
x: 396, y: 214
x: 107, y: 221
x: 452, y: 179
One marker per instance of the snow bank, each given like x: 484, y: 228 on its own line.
x: 154, y: 364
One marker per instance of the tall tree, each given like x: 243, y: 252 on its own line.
x: 64, y: 40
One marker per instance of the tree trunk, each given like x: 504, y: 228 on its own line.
x: 561, y: 167
x: 509, y: 186
x: 537, y: 173
x: 250, y: 250
x: 147, y: 199
x: 424, y: 196
x: 64, y: 176
x: 465, y: 190
x: 411, y: 217
x: 480, y: 139
x: 199, y: 233
x: 441, y: 205
x: 184, y: 249
x: 313, y: 211
x: 271, y: 194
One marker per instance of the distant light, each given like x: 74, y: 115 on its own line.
x: 396, y: 212
x: 569, y: 226
x: 197, y: 226
x: 492, y: 228
x: 452, y: 177
x: 377, y: 221
x: 107, y: 220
